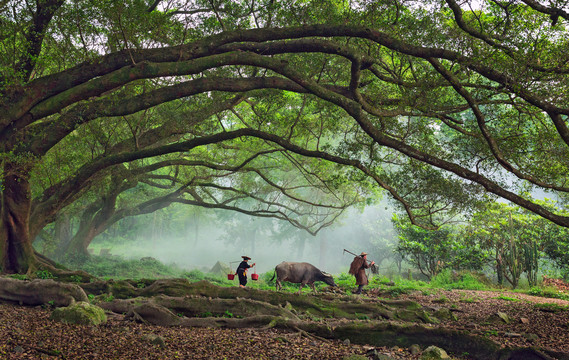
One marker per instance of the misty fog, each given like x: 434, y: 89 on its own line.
x: 208, y: 236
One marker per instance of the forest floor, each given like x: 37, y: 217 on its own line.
x: 28, y: 333
x: 535, y: 321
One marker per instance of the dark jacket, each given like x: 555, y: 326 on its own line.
x: 243, y: 266
x: 358, y: 269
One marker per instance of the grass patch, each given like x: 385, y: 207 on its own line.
x: 404, y: 286
x: 442, y: 299
x: 551, y: 307
x: 548, y: 292
x: 346, y: 281
x: 506, y: 298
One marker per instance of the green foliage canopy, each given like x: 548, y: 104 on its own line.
x: 435, y: 102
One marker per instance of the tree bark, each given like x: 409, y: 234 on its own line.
x: 80, y: 241
x: 17, y: 253
x: 40, y: 292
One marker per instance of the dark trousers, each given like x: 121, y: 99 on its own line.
x: 359, y: 290
x: 242, y: 279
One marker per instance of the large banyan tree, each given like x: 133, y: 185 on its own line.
x: 441, y: 104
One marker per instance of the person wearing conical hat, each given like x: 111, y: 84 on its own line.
x: 358, y: 269
x: 242, y: 271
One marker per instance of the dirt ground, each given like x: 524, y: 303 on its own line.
x: 28, y: 333
x: 535, y: 321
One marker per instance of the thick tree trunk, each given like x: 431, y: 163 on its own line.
x: 93, y: 222
x: 16, y: 251
x: 95, y: 219
x: 80, y: 242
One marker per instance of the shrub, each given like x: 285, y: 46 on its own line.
x: 465, y: 280
x: 193, y: 275
x: 44, y: 274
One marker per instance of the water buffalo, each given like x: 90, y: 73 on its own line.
x: 303, y: 273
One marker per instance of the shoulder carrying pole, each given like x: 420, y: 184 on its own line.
x: 349, y: 252
x: 374, y: 268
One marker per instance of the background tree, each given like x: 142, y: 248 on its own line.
x: 430, y: 101
x: 516, y: 239
x: 556, y: 247
x: 431, y: 251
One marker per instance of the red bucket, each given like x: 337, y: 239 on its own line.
x: 230, y: 276
x: 255, y: 276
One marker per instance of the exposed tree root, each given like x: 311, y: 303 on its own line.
x: 311, y: 336
x: 48, y: 268
x: 266, y: 309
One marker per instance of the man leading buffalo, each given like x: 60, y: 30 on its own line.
x: 358, y: 269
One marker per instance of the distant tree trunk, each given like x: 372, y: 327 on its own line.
x: 153, y: 232
x: 531, y: 255
x: 399, y: 262
x: 323, y: 248
x: 499, y: 268
x: 81, y: 241
x: 196, y: 222
x: 253, y: 240
x: 102, y: 214
x: 47, y: 241
x: 16, y: 251
x: 90, y: 226
x: 63, y: 228
x: 62, y: 235
x: 301, y: 246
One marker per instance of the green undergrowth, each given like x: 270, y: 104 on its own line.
x: 446, y: 280
x: 464, y: 280
x: 547, y: 292
x: 115, y: 267
x: 118, y: 268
